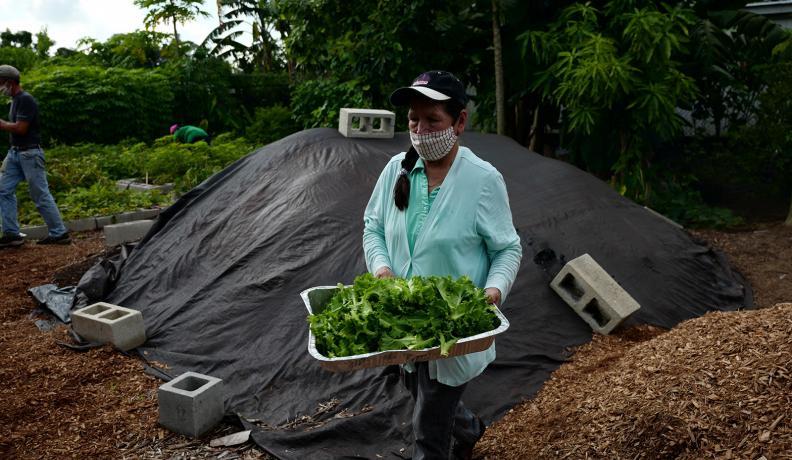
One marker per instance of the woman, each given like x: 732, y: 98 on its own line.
x: 438, y: 209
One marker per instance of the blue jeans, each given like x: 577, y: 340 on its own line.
x: 27, y: 165
x: 440, y: 420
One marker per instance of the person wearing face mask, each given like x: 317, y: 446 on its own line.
x: 25, y: 161
x: 438, y: 209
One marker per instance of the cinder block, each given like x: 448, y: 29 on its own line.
x: 596, y: 297
x: 191, y: 404
x: 102, y: 221
x: 125, y: 217
x: 143, y: 214
x: 35, y: 233
x: 367, y: 123
x: 127, y: 232
x: 133, y: 184
x: 108, y: 323
x: 81, y: 225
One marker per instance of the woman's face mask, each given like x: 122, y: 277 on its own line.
x: 434, y: 146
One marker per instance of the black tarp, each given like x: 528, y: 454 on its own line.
x: 217, y: 280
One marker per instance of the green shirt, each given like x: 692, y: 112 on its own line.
x: 189, y: 134
x: 465, y: 229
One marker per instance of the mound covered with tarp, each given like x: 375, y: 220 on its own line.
x: 218, y: 281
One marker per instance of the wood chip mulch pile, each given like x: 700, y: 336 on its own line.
x: 713, y: 387
x: 719, y: 386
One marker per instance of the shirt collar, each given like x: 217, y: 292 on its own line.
x: 419, y: 166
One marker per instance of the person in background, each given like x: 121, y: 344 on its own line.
x: 25, y: 161
x: 438, y: 209
x: 188, y: 134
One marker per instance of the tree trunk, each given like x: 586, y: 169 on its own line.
x: 534, y: 128
x: 500, y: 109
x: 789, y: 216
x: 175, y: 36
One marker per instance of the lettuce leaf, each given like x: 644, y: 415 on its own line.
x: 397, y: 314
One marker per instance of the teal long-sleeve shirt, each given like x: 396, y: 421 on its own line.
x: 466, y: 229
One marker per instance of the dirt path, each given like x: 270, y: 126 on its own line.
x: 58, y: 403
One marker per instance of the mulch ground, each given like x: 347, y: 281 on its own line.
x: 60, y: 404
x: 713, y: 387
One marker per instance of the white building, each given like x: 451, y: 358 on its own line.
x: 778, y: 11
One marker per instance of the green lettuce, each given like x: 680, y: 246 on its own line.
x: 401, y: 314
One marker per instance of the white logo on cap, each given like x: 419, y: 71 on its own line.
x: 420, y: 82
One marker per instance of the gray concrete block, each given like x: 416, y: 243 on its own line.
x: 35, y: 233
x: 133, y: 184
x: 144, y: 214
x: 191, y: 404
x: 366, y: 123
x: 102, y: 221
x: 108, y: 323
x: 593, y: 294
x: 81, y: 225
x: 127, y: 232
x: 125, y: 217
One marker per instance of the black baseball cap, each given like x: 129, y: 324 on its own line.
x: 437, y: 85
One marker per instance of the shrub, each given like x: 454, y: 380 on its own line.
x: 24, y: 59
x: 187, y: 165
x: 78, y: 104
x: 201, y: 89
x: 678, y: 199
x: 261, y: 89
x: 270, y: 124
x: 318, y: 102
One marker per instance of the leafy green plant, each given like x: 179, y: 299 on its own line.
x: 729, y: 49
x: 130, y: 50
x: 24, y: 59
x: 614, y: 70
x: 99, y: 199
x: 173, y: 11
x: 103, y: 198
x: 347, y: 53
x: 318, y: 102
x: 201, y: 87
x: 187, y: 165
x: 270, y: 124
x: 82, y: 177
x: 395, y: 314
x: 104, y: 106
x: 678, y: 199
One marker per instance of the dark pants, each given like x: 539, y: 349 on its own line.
x: 442, y: 425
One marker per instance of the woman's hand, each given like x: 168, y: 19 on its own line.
x: 384, y: 272
x: 493, y: 295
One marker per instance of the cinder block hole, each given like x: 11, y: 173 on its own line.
x: 376, y: 124
x: 95, y: 309
x: 190, y: 383
x: 360, y: 123
x: 570, y: 285
x: 593, y: 309
x: 115, y: 314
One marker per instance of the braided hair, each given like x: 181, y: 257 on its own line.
x: 401, y: 191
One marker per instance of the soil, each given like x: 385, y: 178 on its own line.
x: 718, y: 386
